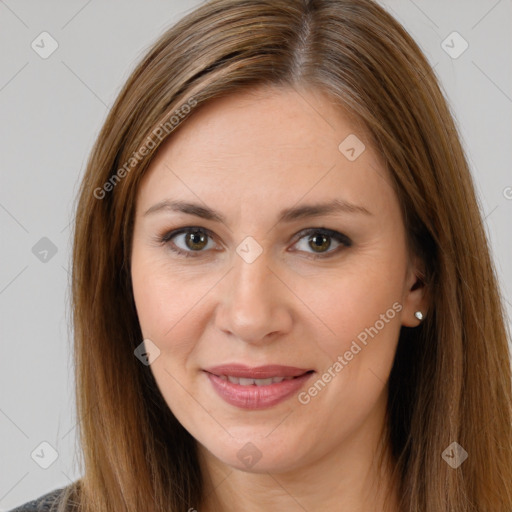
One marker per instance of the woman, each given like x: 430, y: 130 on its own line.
x: 283, y: 294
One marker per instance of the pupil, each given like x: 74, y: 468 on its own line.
x: 197, y: 239
x: 319, y: 241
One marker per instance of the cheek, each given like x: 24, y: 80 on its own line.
x: 362, y: 313
x: 164, y: 298
x: 367, y: 292
x: 168, y: 307
x: 170, y: 312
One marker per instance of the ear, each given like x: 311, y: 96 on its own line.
x: 415, y: 294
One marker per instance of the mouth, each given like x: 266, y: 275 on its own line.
x: 257, y: 375
x: 259, y: 387
x: 245, y: 381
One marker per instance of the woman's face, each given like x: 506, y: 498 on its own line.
x: 292, y: 252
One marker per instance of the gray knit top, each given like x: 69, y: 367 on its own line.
x: 43, y: 503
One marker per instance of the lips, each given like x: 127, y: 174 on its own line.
x: 246, y: 381
x: 257, y: 387
x: 240, y: 371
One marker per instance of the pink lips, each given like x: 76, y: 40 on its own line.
x: 252, y: 396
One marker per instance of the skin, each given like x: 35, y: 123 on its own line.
x: 248, y: 156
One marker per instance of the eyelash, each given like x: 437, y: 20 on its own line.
x: 339, y: 237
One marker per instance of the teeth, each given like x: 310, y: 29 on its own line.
x: 265, y: 382
x: 247, y: 382
x: 258, y: 382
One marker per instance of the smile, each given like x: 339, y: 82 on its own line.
x: 250, y: 392
x: 243, y: 381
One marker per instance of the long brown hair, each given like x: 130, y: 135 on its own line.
x: 451, y: 380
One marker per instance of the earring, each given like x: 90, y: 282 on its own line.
x: 419, y: 315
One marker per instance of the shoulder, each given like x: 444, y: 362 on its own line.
x: 43, y: 503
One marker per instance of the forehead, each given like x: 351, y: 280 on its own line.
x: 281, y: 143
x: 266, y: 121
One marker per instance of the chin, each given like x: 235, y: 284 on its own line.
x: 258, y: 455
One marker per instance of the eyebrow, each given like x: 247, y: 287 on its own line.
x: 286, y: 215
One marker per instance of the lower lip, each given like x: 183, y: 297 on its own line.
x: 256, y: 397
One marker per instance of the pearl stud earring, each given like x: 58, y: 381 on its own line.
x: 419, y: 315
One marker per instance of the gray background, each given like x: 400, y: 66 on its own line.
x: 51, y: 111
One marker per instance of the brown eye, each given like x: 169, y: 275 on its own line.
x: 190, y: 241
x: 196, y: 240
x: 319, y: 243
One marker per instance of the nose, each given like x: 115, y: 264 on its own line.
x: 254, y: 304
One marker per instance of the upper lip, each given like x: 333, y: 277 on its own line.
x: 257, y: 372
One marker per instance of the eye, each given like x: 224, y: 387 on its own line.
x: 191, y: 241
x: 320, y: 240
x: 187, y: 241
